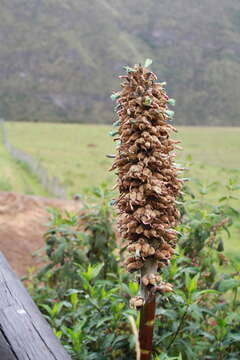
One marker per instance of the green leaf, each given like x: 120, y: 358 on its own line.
x: 133, y: 286
x: 116, y: 123
x: 115, y: 96
x: 128, y: 69
x: 57, y: 333
x: 207, y: 335
x: 109, y: 340
x: 96, y: 270
x: 59, y: 253
x: 236, y: 264
x: 178, y: 299
x: 119, y: 338
x: 45, y: 269
x: 234, y: 337
x: 187, y: 349
x: 103, y: 320
x: 148, y: 62
x: 204, y: 292
x: 233, y: 211
x: 223, y: 198
x: 112, y: 202
x: 72, y: 291
x: 171, y: 102
x: 227, y: 231
x: 66, y: 304
x: 191, y: 283
x: 171, y: 314
x: 113, y: 133
x: 74, y: 299
x: 228, y: 284
x: 148, y: 101
x: 133, y: 121
x: 47, y: 308
x: 220, y: 246
x: 94, y: 302
x: 170, y: 113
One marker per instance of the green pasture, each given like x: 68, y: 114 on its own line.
x: 16, y: 177
x: 76, y: 153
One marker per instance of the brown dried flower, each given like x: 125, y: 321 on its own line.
x: 136, y: 302
x: 148, y: 180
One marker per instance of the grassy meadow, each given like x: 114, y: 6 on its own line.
x: 77, y: 155
x: 15, y: 176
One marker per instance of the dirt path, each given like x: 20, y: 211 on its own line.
x: 22, y: 225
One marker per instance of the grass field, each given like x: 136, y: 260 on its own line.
x: 77, y: 155
x: 16, y: 177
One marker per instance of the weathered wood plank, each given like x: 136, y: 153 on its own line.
x: 6, y: 352
x: 25, y: 340
x: 26, y: 330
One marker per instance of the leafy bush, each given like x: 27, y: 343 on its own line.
x: 73, y: 240
x: 84, y: 293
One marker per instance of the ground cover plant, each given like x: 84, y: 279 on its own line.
x: 88, y: 307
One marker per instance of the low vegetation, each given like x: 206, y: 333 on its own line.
x: 86, y: 302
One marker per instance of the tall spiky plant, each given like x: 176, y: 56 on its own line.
x: 148, y: 186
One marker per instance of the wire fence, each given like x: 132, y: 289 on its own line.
x: 51, y: 184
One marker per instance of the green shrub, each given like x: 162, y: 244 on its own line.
x: 84, y: 296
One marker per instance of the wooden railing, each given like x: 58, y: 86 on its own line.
x: 24, y: 333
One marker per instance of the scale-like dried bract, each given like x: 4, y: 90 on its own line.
x: 148, y: 180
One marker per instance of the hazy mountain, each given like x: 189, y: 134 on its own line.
x: 59, y: 59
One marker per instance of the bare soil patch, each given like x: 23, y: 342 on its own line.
x: 23, y: 220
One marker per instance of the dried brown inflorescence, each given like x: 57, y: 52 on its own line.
x: 148, y: 180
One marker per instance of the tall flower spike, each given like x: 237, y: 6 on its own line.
x: 148, y: 180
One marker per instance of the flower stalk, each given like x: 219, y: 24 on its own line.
x: 148, y: 185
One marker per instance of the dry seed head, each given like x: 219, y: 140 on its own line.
x: 165, y: 287
x: 151, y: 280
x: 134, y: 265
x: 148, y: 180
x: 136, y: 302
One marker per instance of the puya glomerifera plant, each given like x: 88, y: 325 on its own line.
x: 148, y: 183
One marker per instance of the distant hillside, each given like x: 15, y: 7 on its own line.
x: 59, y: 59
